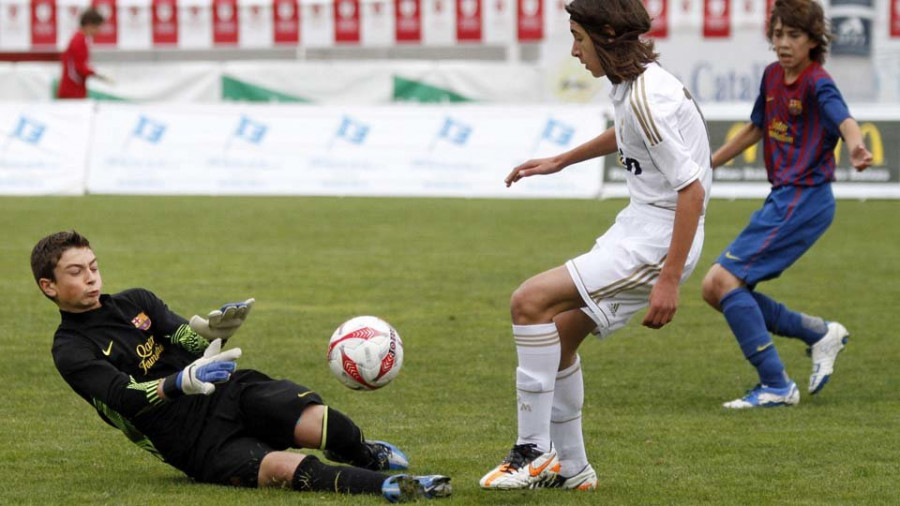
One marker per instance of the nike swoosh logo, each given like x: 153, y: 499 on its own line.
x: 533, y: 471
x: 304, y: 394
x: 764, y: 346
x: 108, y: 349
x: 729, y: 256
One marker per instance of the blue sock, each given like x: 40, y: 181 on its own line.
x: 749, y: 327
x: 784, y: 322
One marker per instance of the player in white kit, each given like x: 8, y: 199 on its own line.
x: 654, y: 245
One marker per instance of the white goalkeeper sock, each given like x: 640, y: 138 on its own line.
x: 538, y: 349
x: 565, y: 424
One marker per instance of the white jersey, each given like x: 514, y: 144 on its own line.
x: 662, y: 138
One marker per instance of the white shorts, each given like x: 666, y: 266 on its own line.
x: 616, y: 276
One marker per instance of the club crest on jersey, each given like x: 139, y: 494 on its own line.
x: 141, y: 321
x: 630, y: 164
x: 795, y: 107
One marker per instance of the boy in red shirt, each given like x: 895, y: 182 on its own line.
x: 76, y: 67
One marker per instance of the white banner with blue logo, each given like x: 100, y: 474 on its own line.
x: 43, y: 148
x: 417, y: 150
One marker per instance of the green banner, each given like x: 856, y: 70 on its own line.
x: 407, y: 90
x: 235, y: 90
x: 92, y: 94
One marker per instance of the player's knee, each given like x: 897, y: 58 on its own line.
x: 718, y: 283
x: 708, y: 290
x: 714, y: 287
x: 277, y: 469
x: 526, y: 305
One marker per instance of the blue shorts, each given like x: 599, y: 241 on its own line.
x: 790, y: 221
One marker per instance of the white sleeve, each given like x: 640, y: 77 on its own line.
x: 656, y: 114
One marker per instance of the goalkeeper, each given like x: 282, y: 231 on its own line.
x: 171, y: 388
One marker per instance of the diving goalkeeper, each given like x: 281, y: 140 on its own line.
x: 171, y: 388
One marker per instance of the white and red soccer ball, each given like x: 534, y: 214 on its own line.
x: 365, y: 353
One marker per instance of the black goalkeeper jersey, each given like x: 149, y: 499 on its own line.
x: 115, y: 356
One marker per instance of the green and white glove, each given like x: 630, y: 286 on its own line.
x: 200, y: 376
x: 222, y: 323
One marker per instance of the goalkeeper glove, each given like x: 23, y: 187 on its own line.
x: 215, y: 366
x: 222, y: 323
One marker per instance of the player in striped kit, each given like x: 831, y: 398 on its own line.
x: 800, y: 115
x: 654, y: 245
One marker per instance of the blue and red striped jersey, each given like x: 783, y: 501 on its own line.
x: 800, y: 123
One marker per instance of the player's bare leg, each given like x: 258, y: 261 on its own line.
x: 533, y: 306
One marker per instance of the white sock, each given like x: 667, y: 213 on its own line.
x: 565, y: 424
x: 538, y: 349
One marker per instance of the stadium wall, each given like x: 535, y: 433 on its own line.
x: 414, y: 150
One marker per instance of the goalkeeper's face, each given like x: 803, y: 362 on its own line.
x: 77, y: 286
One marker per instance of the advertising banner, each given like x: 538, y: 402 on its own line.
x: 459, y: 151
x: 851, y: 22
x: 43, y: 23
x: 195, y: 24
x: 286, y: 22
x: 529, y: 20
x: 745, y: 175
x: 894, y: 23
x: 165, y: 22
x: 225, y: 18
x: 408, y: 21
x: 43, y: 148
x: 468, y: 20
x: 377, y: 23
x: 659, y: 18
x: 15, y: 25
x: 135, y: 24
x: 317, y: 23
x: 499, y: 21
x: 108, y: 34
x: 255, y: 23
x: 346, y: 22
x: 439, y: 22
x: 716, y: 18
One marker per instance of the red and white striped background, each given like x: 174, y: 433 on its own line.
x: 27, y: 25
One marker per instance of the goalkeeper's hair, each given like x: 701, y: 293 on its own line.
x: 50, y: 249
x: 615, y: 27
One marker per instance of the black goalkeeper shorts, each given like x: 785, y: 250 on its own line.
x: 250, y: 416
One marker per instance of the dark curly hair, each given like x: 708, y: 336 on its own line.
x: 806, y: 15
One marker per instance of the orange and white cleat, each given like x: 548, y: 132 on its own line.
x: 586, y: 479
x: 524, y: 467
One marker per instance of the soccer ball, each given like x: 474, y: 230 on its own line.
x: 365, y: 353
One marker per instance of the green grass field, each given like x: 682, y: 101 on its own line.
x: 442, y: 271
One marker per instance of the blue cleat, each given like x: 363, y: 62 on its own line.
x: 762, y: 396
x: 389, y: 457
x: 406, y: 488
x: 382, y: 456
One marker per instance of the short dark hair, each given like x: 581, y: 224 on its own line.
x: 47, y: 252
x: 615, y: 28
x: 91, y: 17
x: 806, y: 15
